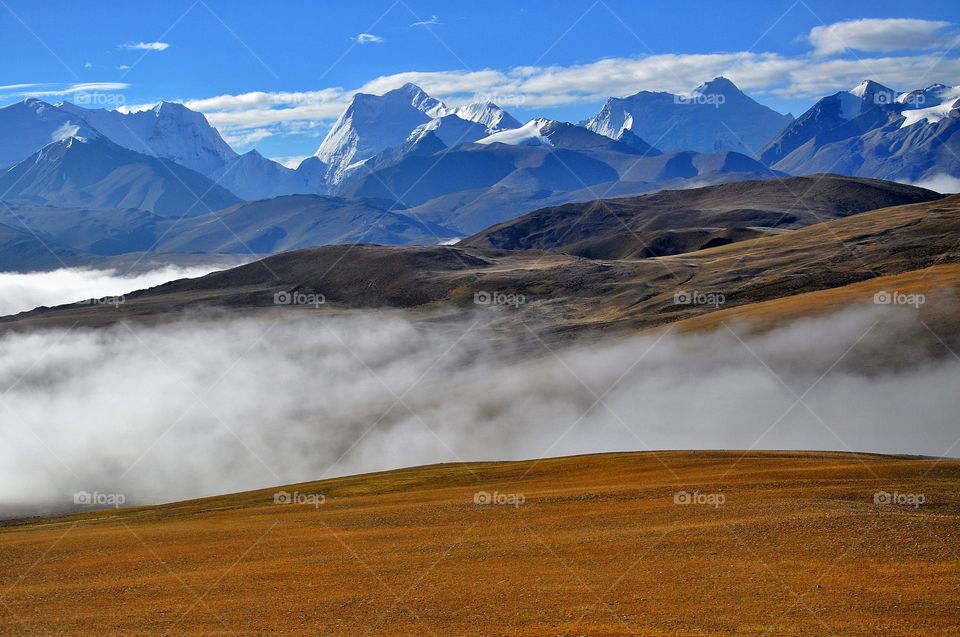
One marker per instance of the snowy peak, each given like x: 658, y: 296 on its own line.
x: 416, y: 97
x: 27, y: 126
x: 718, y: 86
x: 373, y: 123
x: 868, y: 88
x: 930, y: 105
x: 168, y: 130
x: 488, y: 114
x: 714, y: 117
x: 95, y: 172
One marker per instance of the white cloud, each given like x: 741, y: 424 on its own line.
x: 433, y: 21
x: 88, y: 65
x: 24, y: 291
x: 145, y: 46
x: 942, y: 183
x: 892, y: 34
x: 242, y: 138
x: 293, y: 161
x: 50, y: 90
x: 367, y: 38
x: 107, y: 409
x: 18, y: 87
x: 763, y: 75
x: 758, y: 73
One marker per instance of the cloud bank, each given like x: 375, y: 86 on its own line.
x: 763, y: 75
x: 199, y: 408
x: 890, y: 34
x: 20, y: 292
x: 942, y: 183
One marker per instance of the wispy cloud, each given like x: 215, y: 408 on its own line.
x: 57, y: 90
x: 18, y: 87
x: 433, y: 21
x: 367, y: 38
x: 144, y: 46
x: 893, y: 34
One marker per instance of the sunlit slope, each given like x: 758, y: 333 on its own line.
x: 773, y: 543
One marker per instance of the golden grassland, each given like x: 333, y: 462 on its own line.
x: 938, y: 284
x: 598, y: 546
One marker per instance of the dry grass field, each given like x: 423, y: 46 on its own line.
x: 772, y: 544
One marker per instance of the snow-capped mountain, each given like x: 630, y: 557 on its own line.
x: 487, y: 113
x: 715, y: 117
x: 554, y: 134
x: 874, y: 131
x: 93, y: 172
x: 169, y: 130
x: 930, y: 105
x: 373, y: 123
x: 28, y: 126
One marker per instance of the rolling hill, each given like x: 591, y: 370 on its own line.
x: 567, y: 296
x: 770, y: 543
x: 676, y: 221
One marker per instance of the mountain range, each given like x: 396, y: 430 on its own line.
x: 715, y: 117
x: 404, y: 167
x: 874, y: 131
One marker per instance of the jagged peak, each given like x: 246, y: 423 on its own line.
x: 868, y: 87
x: 718, y: 85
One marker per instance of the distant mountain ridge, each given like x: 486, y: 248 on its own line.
x: 874, y: 131
x: 405, y: 167
x: 676, y: 221
x: 94, y: 172
x: 716, y: 117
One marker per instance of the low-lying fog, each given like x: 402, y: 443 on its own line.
x: 199, y: 408
x: 20, y: 292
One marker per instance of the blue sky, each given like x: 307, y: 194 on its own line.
x: 274, y: 75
